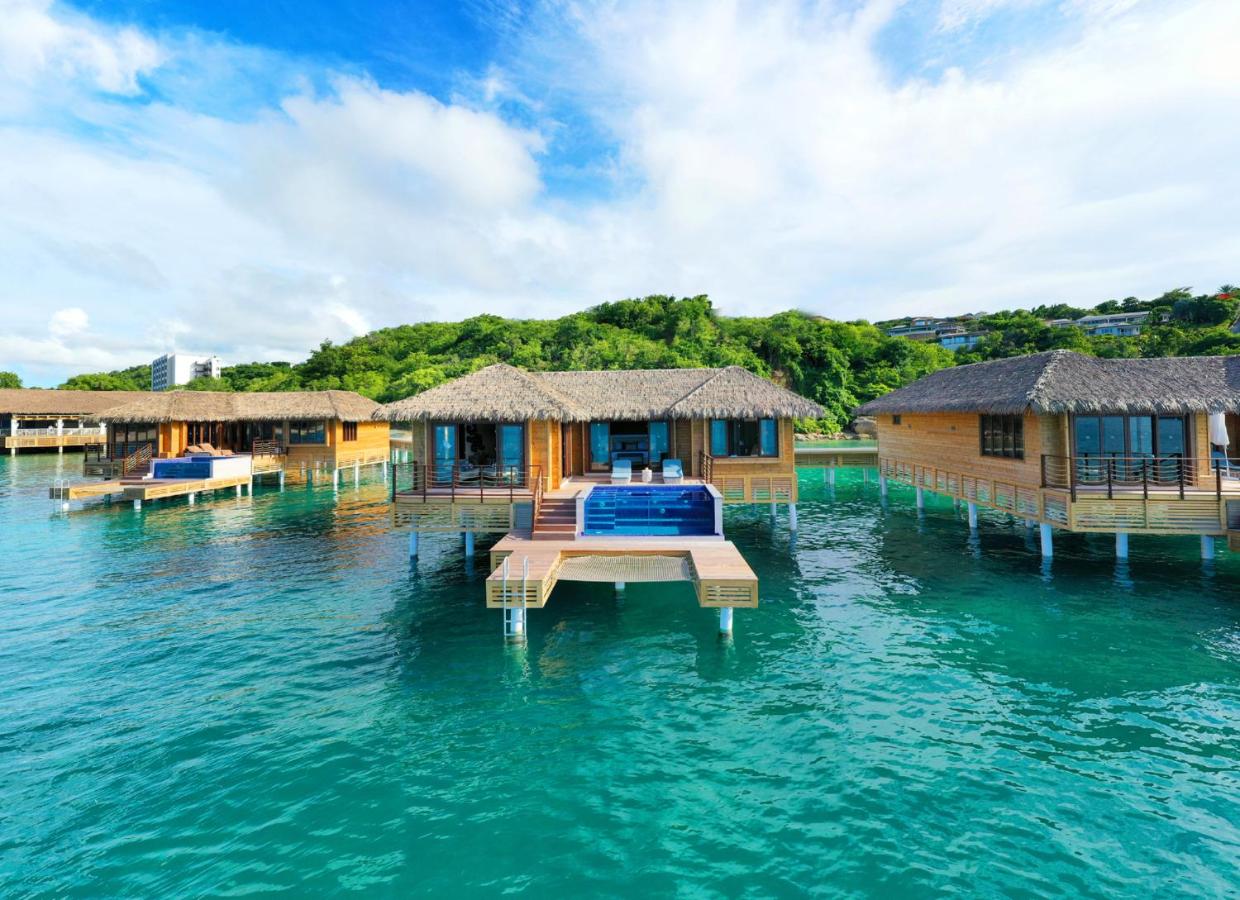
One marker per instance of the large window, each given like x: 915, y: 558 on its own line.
x: 1003, y: 436
x: 744, y: 437
x: 130, y: 437
x: 307, y: 431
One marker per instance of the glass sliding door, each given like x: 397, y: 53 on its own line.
x: 1140, y: 445
x: 659, y: 444
x: 1171, y: 448
x: 444, y: 437
x: 512, y: 452
x: 600, y: 444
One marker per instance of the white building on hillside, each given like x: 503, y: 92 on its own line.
x: 172, y: 369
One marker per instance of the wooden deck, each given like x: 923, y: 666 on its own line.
x: 145, y: 489
x: 1160, y: 510
x: 718, y: 572
x: 41, y: 441
x: 837, y: 457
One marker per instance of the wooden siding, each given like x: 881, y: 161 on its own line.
x: 750, y: 479
x: 543, y: 450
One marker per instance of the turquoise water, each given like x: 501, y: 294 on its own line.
x: 260, y: 695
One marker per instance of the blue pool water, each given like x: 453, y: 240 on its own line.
x: 262, y: 696
x: 654, y: 510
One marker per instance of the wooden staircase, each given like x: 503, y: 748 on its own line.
x: 557, y: 519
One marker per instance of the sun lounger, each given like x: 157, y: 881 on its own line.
x: 621, y: 471
x: 673, y: 473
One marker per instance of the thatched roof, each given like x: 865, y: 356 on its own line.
x: 501, y: 393
x: 497, y: 393
x: 211, y: 406
x: 34, y: 402
x: 1062, y: 381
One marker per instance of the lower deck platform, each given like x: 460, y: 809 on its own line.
x: 719, y: 574
x: 145, y: 488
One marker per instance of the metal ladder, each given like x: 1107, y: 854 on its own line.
x: 514, y: 612
x: 60, y: 492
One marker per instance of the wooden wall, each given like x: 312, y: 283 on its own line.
x: 953, y: 441
x: 543, y: 450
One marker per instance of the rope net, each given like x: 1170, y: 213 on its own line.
x: 625, y: 568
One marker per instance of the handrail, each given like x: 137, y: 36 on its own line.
x: 706, y: 465
x: 462, y: 480
x: 267, y: 448
x: 1114, y: 470
x: 140, y: 457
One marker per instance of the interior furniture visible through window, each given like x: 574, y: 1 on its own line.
x: 744, y: 437
x: 1003, y: 436
x: 1130, y: 442
x: 468, y: 447
x: 127, y: 439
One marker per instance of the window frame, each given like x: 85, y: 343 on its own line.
x: 348, y: 432
x: 297, y: 429
x: 732, y: 437
x: 1001, y: 436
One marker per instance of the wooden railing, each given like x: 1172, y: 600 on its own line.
x: 138, y: 461
x: 1114, y: 471
x: 706, y: 465
x: 463, y: 481
x: 267, y: 448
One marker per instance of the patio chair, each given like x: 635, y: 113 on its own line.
x: 673, y: 472
x: 1219, y: 460
x: 621, y: 471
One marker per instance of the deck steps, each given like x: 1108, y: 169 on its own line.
x: 557, y: 519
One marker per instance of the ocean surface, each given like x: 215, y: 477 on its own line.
x: 262, y: 696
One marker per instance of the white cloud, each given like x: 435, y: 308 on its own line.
x: 68, y: 322
x: 35, y: 42
x: 763, y: 153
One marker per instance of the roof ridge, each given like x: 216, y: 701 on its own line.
x: 568, y: 407
x: 715, y: 373
x: 1053, y: 357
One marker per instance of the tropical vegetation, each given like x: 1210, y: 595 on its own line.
x: 838, y: 364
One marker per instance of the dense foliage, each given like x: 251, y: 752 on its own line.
x: 9, y: 380
x: 838, y: 364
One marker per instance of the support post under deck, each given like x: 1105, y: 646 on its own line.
x: 1121, y: 545
x: 972, y: 516
x: 1048, y: 540
x: 725, y: 620
x: 831, y: 477
x: 921, y: 498
x: 792, y: 517
x: 413, y: 545
x: 1207, y: 547
x: 469, y: 543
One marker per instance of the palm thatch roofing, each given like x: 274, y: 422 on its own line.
x: 210, y: 406
x: 35, y: 402
x: 1062, y: 381
x: 502, y: 393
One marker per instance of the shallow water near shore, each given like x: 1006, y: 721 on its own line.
x: 262, y: 695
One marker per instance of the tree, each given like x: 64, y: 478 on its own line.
x: 9, y: 380
x: 207, y: 383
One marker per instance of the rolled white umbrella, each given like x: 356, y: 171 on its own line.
x: 1218, y: 429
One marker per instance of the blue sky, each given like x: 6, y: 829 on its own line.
x: 250, y: 179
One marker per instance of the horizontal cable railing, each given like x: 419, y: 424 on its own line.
x: 50, y: 431
x: 267, y: 448
x: 462, y: 480
x: 1111, y: 471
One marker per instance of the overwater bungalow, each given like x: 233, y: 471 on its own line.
x: 1064, y: 440
x: 602, y: 475
x: 293, y: 431
x: 32, y: 419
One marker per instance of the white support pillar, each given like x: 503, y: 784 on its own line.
x: 189, y: 498
x: 1207, y: 547
x: 1048, y: 540
x: 972, y: 516
x: 335, y: 479
x: 774, y: 508
x: 725, y: 620
x: 357, y: 473
x: 385, y: 465
x: 281, y: 476
x: 1121, y: 545
x: 882, y: 485
x: 921, y: 498
x: 413, y: 545
x: 865, y: 476
x: 619, y: 587
x: 137, y: 505
x: 469, y: 543
x: 792, y: 517
x: 831, y: 477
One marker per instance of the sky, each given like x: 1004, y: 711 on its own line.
x: 250, y: 179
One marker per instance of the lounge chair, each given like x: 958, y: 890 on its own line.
x: 673, y: 473
x: 621, y: 471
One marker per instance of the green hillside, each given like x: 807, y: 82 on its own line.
x: 838, y: 364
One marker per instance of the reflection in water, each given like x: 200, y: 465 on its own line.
x: 268, y: 695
